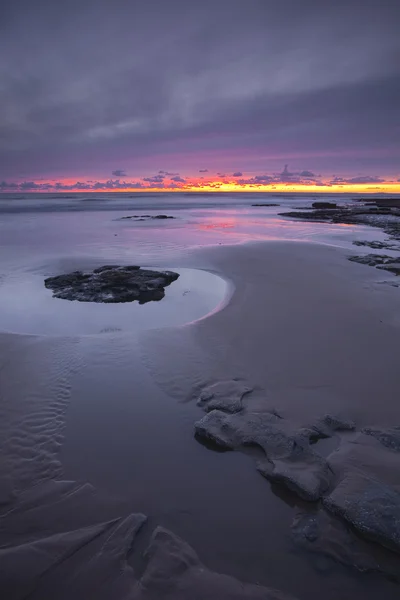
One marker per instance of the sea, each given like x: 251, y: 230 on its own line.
x: 42, y: 235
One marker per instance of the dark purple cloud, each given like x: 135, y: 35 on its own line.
x: 155, y: 179
x: 97, y: 84
x: 203, y: 171
x: 365, y: 179
x: 360, y: 179
x: 237, y: 174
x: 178, y: 179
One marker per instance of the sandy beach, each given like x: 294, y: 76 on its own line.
x: 300, y: 334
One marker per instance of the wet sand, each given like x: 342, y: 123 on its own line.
x: 307, y: 331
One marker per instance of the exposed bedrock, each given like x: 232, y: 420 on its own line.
x: 357, y: 482
x: 384, y: 217
x: 147, y: 217
x: 289, y: 456
x: 321, y: 533
x: 324, y: 205
x: 381, y: 261
x: 112, y: 284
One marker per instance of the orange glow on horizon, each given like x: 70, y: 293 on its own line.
x: 223, y: 185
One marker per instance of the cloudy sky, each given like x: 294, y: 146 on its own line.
x: 121, y: 94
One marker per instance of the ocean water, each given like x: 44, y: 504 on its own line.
x: 47, y: 234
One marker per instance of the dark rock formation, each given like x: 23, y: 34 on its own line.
x: 145, y: 217
x: 381, y: 261
x: 386, y: 218
x: 224, y: 395
x: 372, y: 260
x: 390, y: 438
x: 376, y: 245
x: 326, y: 535
x: 324, y: 205
x: 265, y: 204
x: 326, y: 427
x: 111, y: 284
x: 289, y: 456
x: 393, y: 267
x: 370, y: 506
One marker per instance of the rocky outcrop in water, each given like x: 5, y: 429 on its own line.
x: 148, y: 217
x: 224, y: 395
x: 381, y: 261
x: 112, y: 284
x: 377, y: 245
x: 358, y: 481
x: 265, y: 204
x: 386, y: 218
x: 289, y: 458
x: 324, y: 205
x: 370, y: 506
x: 321, y: 533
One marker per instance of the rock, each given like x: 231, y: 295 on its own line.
x: 145, y: 217
x: 325, y: 535
x: 376, y: 245
x: 224, y: 395
x: 390, y: 438
x: 324, y: 205
x: 112, y: 284
x: 174, y: 572
x: 289, y: 457
x: 371, y: 507
x: 386, y: 218
x: 372, y: 259
x: 381, y: 261
x: 265, y: 204
x: 329, y: 424
x: 392, y: 268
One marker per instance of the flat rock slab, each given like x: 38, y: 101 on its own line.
x: 386, y: 218
x: 323, y: 534
x: 370, y: 506
x: 324, y: 205
x: 224, y: 395
x: 390, y: 438
x: 148, y: 217
x: 112, y: 284
x: 289, y: 456
x: 380, y: 261
x: 377, y: 245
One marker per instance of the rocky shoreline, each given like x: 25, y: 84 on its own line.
x: 147, y: 217
x: 383, y: 217
x: 378, y: 214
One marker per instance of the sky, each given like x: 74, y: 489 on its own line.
x: 200, y: 95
